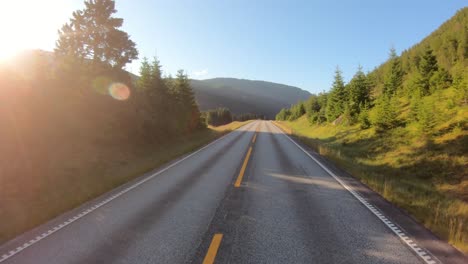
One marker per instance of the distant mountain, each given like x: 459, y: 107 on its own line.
x: 246, y: 96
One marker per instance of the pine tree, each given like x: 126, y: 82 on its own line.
x: 359, y: 92
x: 337, y: 97
x: 93, y: 34
x: 394, y: 77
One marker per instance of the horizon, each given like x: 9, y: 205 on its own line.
x: 253, y: 41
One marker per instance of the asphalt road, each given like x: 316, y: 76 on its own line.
x: 253, y: 196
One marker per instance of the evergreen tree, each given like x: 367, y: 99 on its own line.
x: 185, y: 98
x: 297, y: 111
x: 386, y: 113
x: 427, y: 67
x: 415, y: 104
x: 394, y: 77
x: 217, y: 117
x: 440, y: 80
x: 359, y: 92
x: 283, y: 114
x: 336, y: 98
x: 426, y: 116
x: 145, y: 80
x: 364, y: 116
x: 93, y: 34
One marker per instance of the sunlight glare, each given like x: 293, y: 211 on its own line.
x: 30, y: 24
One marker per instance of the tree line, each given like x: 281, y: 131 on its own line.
x: 222, y: 116
x: 416, y: 77
x: 92, y: 45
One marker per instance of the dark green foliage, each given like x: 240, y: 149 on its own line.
x: 218, y: 117
x: 337, y: 98
x: 386, y: 113
x: 394, y: 77
x: 222, y: 116
x: 427, y: 67
x: 440, y: 80
x: 364, y: 117
x: 428, y: 64
x: 315, y: 108
x: 358, y: 92
x: 93, y: 34
x: 283, y: 114
x: 159, y: 102
x: 186, y: 106
x: 296, y: 111
x: 248, y: 116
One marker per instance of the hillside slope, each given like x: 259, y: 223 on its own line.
x: 409, y: 139
x: 246, y: 96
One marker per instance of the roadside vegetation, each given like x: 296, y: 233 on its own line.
x: 402, y: 128
x: 74, y: 124
x: 223, y: 116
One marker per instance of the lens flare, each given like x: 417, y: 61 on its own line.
x: 119, y: 91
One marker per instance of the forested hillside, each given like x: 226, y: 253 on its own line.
x: 403, y: 128
x: 246, y: 96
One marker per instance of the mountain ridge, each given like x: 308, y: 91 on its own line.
x: 246, y: 96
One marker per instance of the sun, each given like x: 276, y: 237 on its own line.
x: 30, y: 24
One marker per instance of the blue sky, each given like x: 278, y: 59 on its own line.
x: 292, y: 42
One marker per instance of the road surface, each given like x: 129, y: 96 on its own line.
x: 253, y: 196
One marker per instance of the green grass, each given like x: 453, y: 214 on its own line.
x: 85, y: 174
x: 426, y: 176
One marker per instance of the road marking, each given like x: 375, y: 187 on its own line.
x: 254, y: 138
x: 424, y: 254
x: 86, y: 211
x: 213, y: 249
x: 242, y: 171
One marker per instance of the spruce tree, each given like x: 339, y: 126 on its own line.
x: 93, y: 34
x: 364, y: 116
x: 426, y: 116
x: 427, y: 67
x: 145, y: 80
x: 190, y: 114
x: 337, y: 97
x: 386, y: 113
x: 394, y: 77
x: 359, y: 92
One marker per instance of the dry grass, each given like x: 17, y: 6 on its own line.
x: 229, y: 127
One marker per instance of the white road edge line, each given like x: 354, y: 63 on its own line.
x: 91, y: 208
x: 423, y: 253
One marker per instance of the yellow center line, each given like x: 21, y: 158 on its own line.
x: 242, y: 171
x: 254, y: 138
x: 213, y: 249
